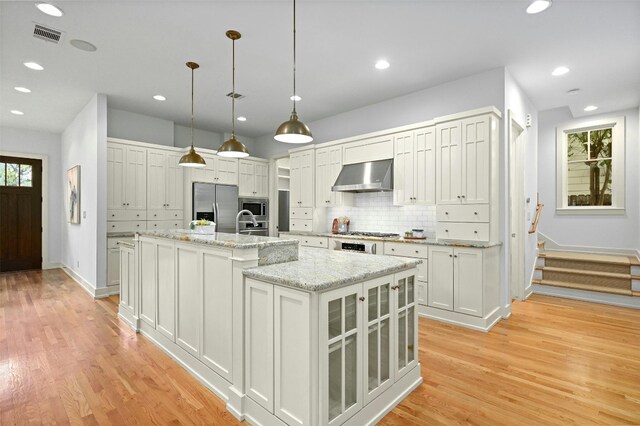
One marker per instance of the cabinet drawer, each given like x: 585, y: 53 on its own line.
x: 129, y: 215
x: 164, y: 215
x: 127, y: 226
x: 463, y: 231
x: 405, y: 249
x: 464, y: 213
x: 301, y: 225
x: 320, y: 242
x: 301, y: 213
x: 164, y: 224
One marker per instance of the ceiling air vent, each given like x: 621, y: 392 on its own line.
x: 47, y: 34
x: 235, y: 95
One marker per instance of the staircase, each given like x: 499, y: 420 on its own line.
x: 615, y: 274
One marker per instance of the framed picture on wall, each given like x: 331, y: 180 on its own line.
x: 73, y: 195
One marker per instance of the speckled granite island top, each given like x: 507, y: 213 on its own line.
x: 321, y: 270
x: 219, y: 239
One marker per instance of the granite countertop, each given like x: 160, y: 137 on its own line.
x: 219, y: 239
x: 428, y: 241
x: 321, y: 270
x: 129, y: 234
x: 126, y: 243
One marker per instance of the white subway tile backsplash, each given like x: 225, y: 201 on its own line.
x: 374, y: 211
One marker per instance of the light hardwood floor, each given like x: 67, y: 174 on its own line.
x: 65, y: 358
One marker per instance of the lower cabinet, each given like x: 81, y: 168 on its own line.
x: 364, y: 337
x: 127, y: 272
x: 113, y: 262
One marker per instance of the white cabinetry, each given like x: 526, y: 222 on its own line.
x: 218, y: 170
x: 189, y: 300
x: 253, y: 178
x: 328, y: 166
x: 417, y: 251
x: 164, y: 185
x: 414, y: 167
x: 128, y: 296
x: 302, y: 178
x: 166, y: 289
x: 126, y: 179
x: 113, y: 262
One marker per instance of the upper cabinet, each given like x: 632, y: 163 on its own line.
x: 253, y: 179
x: 414, y: 167
x: 218, y: 170
x: 164, y: 185
x: 464, y: 161
x: 301, y: 179
x: 328, y: 167
x: 126, y: 178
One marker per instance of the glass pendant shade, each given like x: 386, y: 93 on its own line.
x: 233, y: 148
x: 192, y: 159
x: 293, y: 131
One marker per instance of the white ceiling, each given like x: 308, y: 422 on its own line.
x: 143, y: 45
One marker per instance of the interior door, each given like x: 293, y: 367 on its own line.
x: 21, y: 214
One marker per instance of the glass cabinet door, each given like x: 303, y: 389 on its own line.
x: 377, y: 338
x: 406, y: 323
x: 340, y: 343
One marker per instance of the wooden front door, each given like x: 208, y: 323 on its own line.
x: 20, y: 213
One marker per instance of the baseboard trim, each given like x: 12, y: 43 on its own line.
x: 52, y: 265
x: 552, y: 245
x: 588, y: 296
x: 86, y: 285
x: 506, y: 311
x: 474, y: 323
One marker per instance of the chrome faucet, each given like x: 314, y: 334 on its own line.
x: 253, y: 219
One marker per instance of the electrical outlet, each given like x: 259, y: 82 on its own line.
x: 84, y: 214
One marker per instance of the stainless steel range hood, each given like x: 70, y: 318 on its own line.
x: 372, y: 176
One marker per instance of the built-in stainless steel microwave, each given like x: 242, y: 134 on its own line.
x: 258, y: 206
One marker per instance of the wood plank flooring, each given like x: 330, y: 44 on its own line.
x: 67, y: 359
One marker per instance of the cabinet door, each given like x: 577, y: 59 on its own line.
x: 226, y: 170
x: 125, y: 284
x: 425, y: 166
x: 246, y: 178
x: 323, y: 188
x: 377, y: 345
x: 448, y: 163
x: 440, y: 283
x: 292, y: 334
x: 406, y: 323
x: 189, y: 303
x: 136, y: 178
x: 403, y: 173
x: 306, y: 179
x: 261, y: 180
x: 217, y: 285
x: 335, y: 167
x: 166, y: 290
x: 157, y: 180
x: 116, y: 155
x: 148, y: 270
x: 295, y: 182
x: 259, y: 342
x: 175, y: 183
x: 113, y: 266
x: 475, y: 159
x: 467, y: 281
x: 340, y: 352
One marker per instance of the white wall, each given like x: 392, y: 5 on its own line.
x: 519, y: 104
x: 22, y: 142
x: 139, y: 127
x: 84, y: 143
x: 594, y: 231
x: 472, y: 92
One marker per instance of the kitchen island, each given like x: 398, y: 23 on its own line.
x: 283, y: 335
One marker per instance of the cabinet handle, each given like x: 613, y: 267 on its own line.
x: 362, y: 299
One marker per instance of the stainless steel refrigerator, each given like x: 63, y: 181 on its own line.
x: 217, y: 203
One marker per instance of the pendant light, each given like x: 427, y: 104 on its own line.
x: 233, y: 147
x: 293, y: 130
x: 192, y: 158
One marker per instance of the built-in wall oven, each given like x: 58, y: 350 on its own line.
x: 357, y: 246
x: 260, y: 209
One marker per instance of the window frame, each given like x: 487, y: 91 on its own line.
x: 618, y: 141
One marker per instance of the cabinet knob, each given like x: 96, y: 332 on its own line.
x: 475, y: 232
x: 113, y: 226
x: 446, y: 230
x: 458, y: 196
x: 112, y: 215
x: 417, y: 251
x: 455, y: 255
x: 138, y: 225
x: 450, y: 255
x: 447, y: 213
x: 138, y: 215
x: 463, y: 196
x: 362, y: 299
x: 393, y: 249
x: 476, y: 213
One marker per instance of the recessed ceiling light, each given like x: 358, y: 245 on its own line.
x: 83, y: 45
x: 538, y: 6
x: 382, y: 64
x: 50, y: 9
x: 241, y: 118
x: 159, y: 98
x: 16, y: 112
x: 560, y: 71
x: 295, y: 98
x: 573, y: 91
x: 22, y: 89
x: 591, y: 108
x: 34, y: 66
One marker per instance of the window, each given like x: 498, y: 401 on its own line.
x: 12, y: 174
x: 591, y: 168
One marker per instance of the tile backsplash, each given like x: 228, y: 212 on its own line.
x: 374, y: 211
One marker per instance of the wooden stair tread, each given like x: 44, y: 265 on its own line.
x: 587, y: 257
x: 585, y: 272
x: 588, y: 287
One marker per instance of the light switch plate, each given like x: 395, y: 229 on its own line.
x: 84, y: 214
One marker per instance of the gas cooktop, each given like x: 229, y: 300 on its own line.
x: 371, y: 234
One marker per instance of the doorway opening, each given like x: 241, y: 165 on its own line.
x: 517, y: 209
x: 279, y: 209
x: 20, y: 213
